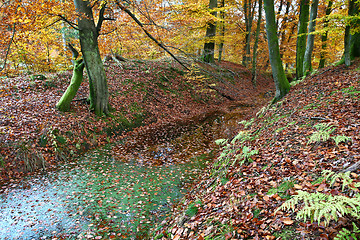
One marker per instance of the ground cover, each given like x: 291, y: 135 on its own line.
x: 279, y: 153
x: 154, y: 98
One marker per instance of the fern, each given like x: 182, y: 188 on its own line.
x: 247, y: 123
x: 323, y: 133
x: 242, y: 136
x: 338, y: 139
x: 221, y: 142
x: 245, y: 155
x: 318, y: 206
x: 344, y: 177
x: 345, y: 234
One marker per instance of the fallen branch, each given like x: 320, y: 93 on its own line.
x: 352, y: 168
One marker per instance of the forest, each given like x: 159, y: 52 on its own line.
x: 179, y: 119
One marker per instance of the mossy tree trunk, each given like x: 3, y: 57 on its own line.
x: 307, y: 67
x: 301, y: 38
x: 281, y: 83
x: 88, y: 35
x: 77, y: 77
x: 209, y: 46
x: 352, y: 41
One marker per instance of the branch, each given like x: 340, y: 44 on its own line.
x: 148, y: 34
x: 73, y: 25
x: 101, y: 18
x: 75, y: 53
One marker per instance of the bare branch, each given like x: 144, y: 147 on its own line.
x: 148, y: 34
x: 101, y: 18
x: 73, y: 25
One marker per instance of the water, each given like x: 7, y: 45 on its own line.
x: 106, y: 195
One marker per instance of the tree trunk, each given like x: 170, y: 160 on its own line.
x: 209, y: 46
x: 69, y: 94
x: 253, y: 70
x: 222, y: 31
x: 301, y: 38
x: 88, y: 35
x: 281, y: 83
x: 325, y: 36
x: 352, y: 42
x: 283, y: 27
x: 310, y: 38
x: 249, y: 15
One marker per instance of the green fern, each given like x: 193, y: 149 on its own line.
x: 245, y: 155
x: 318, y: 206
x: 247, y: 123
x: 338, y: 139
x: 242, y: 136
x: 323, y: 133
x: 221, y: 142
x: 346, y: 234
x: 344, y: 177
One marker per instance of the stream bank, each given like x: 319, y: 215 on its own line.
x: 157, y: 95
x: 110, y: 194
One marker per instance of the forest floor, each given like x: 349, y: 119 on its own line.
x: 279, y: 152
x: 314, y: 128
x: 154, y: 99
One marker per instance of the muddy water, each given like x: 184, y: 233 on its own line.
x: 107, y: 196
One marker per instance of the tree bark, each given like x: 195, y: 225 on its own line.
x: 88, y: 35
x: 281, y: 83
x: 352, y: 42
x: 249, y: 15
x: 69, y: 94
x: 301, y: 38
x: 222, y: 31
x: 324, y: 37
x: 310, y: 38
x: 209, y: 46
x: 257, y: 33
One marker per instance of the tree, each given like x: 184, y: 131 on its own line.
x: 352, y: 41
x: 253, y: 69
x: 88, y: 35
x: 77, y: 77
x: 310, y: 38
x: 209, y: 46
x: 301, y: 38
x: 281, y: 83
x: 324, y: 37
x: 222, y: 30
x: 249, y: 16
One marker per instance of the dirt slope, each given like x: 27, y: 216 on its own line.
x: 239, y: 201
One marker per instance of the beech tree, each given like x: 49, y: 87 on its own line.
x: 301, y: 38
x: 281, y: 83
x: 352, y: 40
x: 310, y: 38
x: 324, y: 37
x: 88, y: 35
x: 209, y: 46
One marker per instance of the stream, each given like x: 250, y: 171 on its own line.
x: 103, y: 196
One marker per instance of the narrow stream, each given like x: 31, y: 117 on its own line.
x: 105, y: 196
